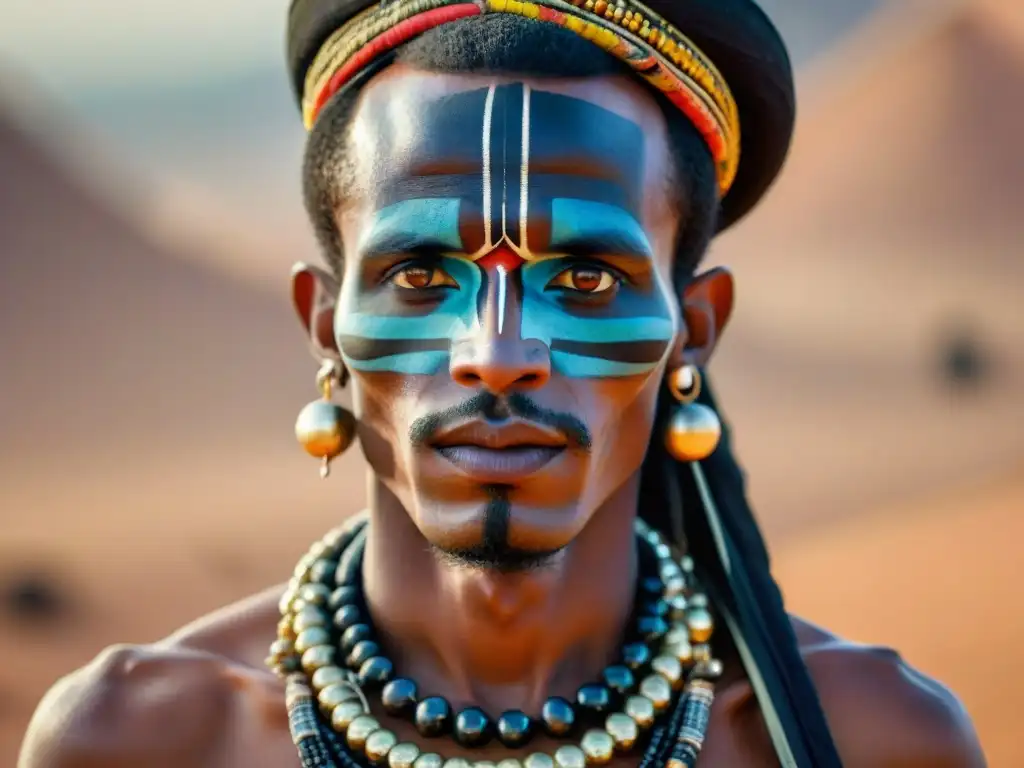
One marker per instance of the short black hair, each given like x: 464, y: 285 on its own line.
x: 507, y: 44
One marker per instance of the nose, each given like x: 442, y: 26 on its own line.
x: 495, y: 356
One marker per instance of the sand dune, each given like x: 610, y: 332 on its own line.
x: 147, y: 393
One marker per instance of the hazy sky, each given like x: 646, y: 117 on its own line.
x: 99, y: 43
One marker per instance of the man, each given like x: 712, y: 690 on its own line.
x: 556, y: 568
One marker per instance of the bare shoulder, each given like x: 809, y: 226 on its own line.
x: 171, y: 703
x: 882, y: 711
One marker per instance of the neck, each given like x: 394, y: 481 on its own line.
x: 501, y: 640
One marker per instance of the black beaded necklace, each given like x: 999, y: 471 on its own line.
x: 306, y: 642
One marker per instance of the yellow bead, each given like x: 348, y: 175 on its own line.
x: 670, y: 668
x: 311, y: 638
x: 641, y: 709
x: 658, y: 690
x: 693, y: 431
x: 309, y: 617
x: 359, y: 731
x: 317, y: 657
x: 333, y: 695
x: 700, y: 624
x: 345, y: 713
x: 327, y: 676
x: 282, y: 647
x: 429, y: 760
x: 315, y: 594
x: 378, y: 745
x: 570, y: 757
x: 539, y: 760
x: 598, y: 747
x: 680, y: 649
x: 285, y: 630
x: 403, y: 755
x: 623, y: 729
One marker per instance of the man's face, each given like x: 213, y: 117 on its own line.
x: 506, y: 309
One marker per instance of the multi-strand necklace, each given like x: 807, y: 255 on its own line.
x: 658, y: 692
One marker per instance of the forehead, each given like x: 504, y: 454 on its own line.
x: 418, y: 135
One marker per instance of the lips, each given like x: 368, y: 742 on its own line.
x: 499, y: 453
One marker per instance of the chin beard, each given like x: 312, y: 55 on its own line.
x: 494, y: 553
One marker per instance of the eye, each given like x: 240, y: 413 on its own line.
x: 420, y: 277
x: 586, y: 279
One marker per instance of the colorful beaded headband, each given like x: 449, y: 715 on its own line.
x: 628, y: 30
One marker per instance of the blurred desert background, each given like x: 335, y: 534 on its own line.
x: 150, y: 368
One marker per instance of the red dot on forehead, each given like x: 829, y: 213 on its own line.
x: 503, y: 257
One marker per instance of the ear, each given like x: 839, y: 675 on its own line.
x: 707, y: 306
x: 314, y: 295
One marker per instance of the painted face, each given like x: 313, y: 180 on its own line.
x: 506, y: 308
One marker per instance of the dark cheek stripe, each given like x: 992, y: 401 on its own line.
x: 361, y: 348
x: 619, y: 352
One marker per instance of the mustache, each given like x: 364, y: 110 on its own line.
x: 490, y: 407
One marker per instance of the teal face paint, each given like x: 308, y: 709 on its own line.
x: 487, y: 175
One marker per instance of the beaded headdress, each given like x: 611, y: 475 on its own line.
x: 628, y: 30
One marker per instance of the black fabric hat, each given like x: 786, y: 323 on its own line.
x: 735, y: 34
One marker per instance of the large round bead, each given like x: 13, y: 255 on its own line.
x: 378, y: 745
x: 310, y: 638
x: 594, y: 698
x: 635, y: 655
x: 670, y: 668
x: 375, y: 672
x: 457, y: 762
x: 359, y: 730
x: 354, y: 635
x: 363, y: 652
x: 700, y: 624
x: 399, y: 697
x: 658, y: 690
x: 333, y: 695
x: 317, y: 657
x: 328, y: 676
x: 538, y: 760
x: 570, y: 757
x: 403, y: 755
x: 345, y: 713
x: 324, y: 429
x: 514, y: 728
x: 429, y: 760
x: 345, y: 595
x: 598, y: 746
x: 623, y: 730
x: 315, y: 594
x: 347, y: 616
x: 641, y: 709
x: 693, y: 432
x: 558, y: 716
x: 433, y: 716
x: 472, y: 727
x: 619, y: 679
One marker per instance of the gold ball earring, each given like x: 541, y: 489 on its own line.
x: 694, y: 429
x: 323, y: 428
